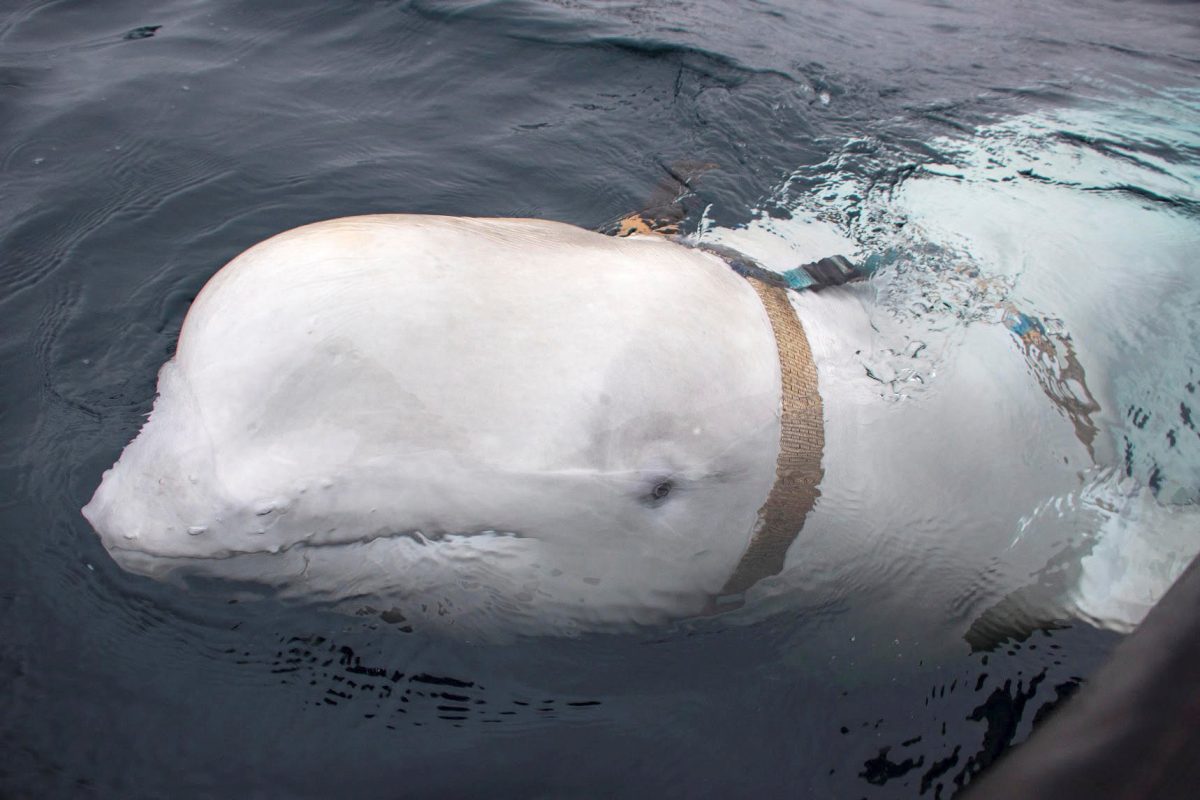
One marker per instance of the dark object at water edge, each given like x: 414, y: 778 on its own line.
x: 1133, y: 731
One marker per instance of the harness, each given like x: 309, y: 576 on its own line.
x: 798, y: 471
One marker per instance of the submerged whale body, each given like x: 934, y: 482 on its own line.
x: 497, y: 424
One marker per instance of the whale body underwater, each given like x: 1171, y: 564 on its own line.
x: 510, y: 424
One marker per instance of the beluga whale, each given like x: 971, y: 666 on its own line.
x: 495, y: 416
x: 520, y: 425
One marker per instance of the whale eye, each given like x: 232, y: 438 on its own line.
x: 659, y: 492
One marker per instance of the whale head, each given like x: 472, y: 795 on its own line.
x: 507, y: 421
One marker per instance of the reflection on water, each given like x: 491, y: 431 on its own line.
x: 1025, y: 183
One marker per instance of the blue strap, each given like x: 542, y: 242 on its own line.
x: 815, y: 276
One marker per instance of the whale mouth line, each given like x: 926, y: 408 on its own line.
x: 416, y: 536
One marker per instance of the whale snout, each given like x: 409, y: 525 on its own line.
x: 140, y: 519
x: 122, y: 512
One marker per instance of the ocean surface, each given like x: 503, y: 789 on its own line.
x: 1045, y: 154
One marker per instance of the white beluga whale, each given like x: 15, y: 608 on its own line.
x: 523, y: 426
x: 483, y: 416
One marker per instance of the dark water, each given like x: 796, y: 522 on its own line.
x: 142, y: 147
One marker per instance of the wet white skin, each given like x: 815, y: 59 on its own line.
x: 488, y: 422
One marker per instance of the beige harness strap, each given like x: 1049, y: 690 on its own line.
x: 798, y: 470
x: 802, y: 439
